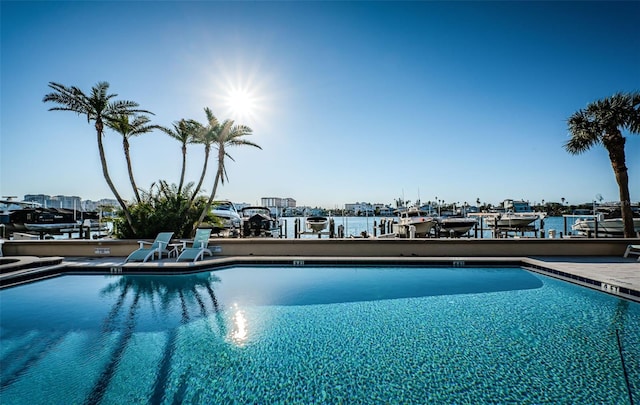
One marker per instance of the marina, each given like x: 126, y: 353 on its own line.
x: 376, y: 226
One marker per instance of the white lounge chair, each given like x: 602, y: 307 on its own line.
x: 158, y: 246
x: 199, y: 247
x: 633, y: 250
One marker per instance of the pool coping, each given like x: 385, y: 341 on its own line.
x: 609, y: 275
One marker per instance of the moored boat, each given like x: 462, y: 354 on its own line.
x: 512, y: 220
x: 26, y: 216
x: 417, y: 218
x: 605, y: 227
x: 456, y: 226
x: 514, y: 214
x: 258, y: 221
x: 228, y: 216
x: 606, y: 222
x: 317, y: 223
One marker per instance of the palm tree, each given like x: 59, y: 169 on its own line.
x: 225, y: 135
x: 184, y: 131
x: 602, y: 122
x: 139, y: 125
x: 206, y: 136
x: 98, y: 106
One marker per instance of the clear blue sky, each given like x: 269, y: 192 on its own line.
x: 350, y: 101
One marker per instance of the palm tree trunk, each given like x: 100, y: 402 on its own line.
x: 105, y: 172
x: 207, y: 206
x: 184, y: 167
x: 125, y: 145
x: 615, y: 147
x: 204, y: 171
x: 625, y: 202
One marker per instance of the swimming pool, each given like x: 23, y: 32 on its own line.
x: 318, y: 335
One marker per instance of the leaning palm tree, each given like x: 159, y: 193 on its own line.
x: 602, y: 122
x: 97, y: 106
x: 184, y: 131
x: 128, y: 129
x: 226, y: 135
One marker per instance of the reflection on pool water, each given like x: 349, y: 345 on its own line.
x: 317, y: 335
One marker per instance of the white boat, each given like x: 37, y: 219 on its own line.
x: 512, y: 220
x: 228, y: 215
x: 606, y: 227
x: 420, y: 219
x: 317, y: 223
x: 608, y: 220
x: 456, y: 225
x: 514, y: 214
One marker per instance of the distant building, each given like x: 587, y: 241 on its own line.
x: 72, y: 202
x: 105, y: 204
x: 58, y: 201
x: 278, y: 202
x: 516, y: 205
x: 368, y: 209
x: 279, y: 206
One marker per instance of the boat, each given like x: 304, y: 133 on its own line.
x: 317, y: 223
x: 51, y: 220
x: 228, y: 216
x: 512, y: 220
x: 420, y: 219
x: 608, y: 220
x: 514, y: 214
x: 27, y: 216
x: 13, y: 214
x: 456, y: 226
x: 258, y: 221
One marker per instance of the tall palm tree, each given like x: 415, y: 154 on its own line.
x: 128, y: 129
x: 226, y: 135
x: 184, y: 131
x: 206, y: 135
x: 97, y: 106
x: 602, y: 122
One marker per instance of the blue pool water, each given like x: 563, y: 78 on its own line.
x: 317, y: 335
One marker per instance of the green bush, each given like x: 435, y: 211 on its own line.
x: 162, y: 209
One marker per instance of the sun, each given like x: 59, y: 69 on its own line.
x: 241, y: 103
x: 244, y: 95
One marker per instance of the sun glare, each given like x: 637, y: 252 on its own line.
x: 241, y: 104
x: 240, y: 92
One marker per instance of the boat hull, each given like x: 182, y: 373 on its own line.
x: 613, y: 226
x: 317, y: 224
x: 414, y: 217
x: 512, y: 221
x: 423, y: 227
x: 457, y: 226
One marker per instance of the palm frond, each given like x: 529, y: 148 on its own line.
x: 69, y: 98
x: 211, y: 119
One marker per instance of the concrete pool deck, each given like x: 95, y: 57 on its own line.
x: 611, y: 274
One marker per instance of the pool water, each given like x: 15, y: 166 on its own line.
x: 318, y: 335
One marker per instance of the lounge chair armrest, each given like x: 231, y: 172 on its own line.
x: 143, y: 242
